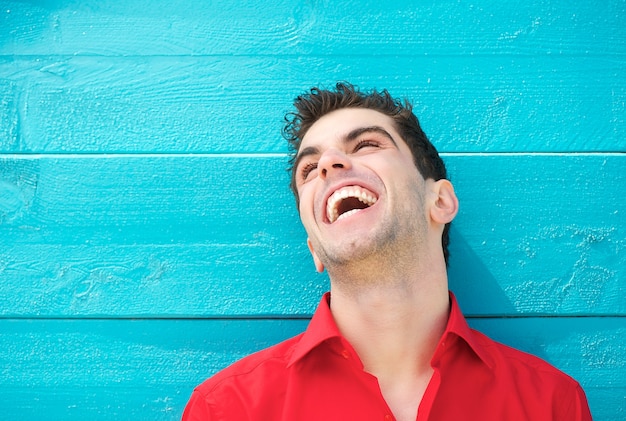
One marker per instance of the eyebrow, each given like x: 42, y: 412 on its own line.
x: 369, y: 129
x: 351, y: 136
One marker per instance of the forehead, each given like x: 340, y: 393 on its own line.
x: 335, y: 125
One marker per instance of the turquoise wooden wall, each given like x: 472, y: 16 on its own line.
x: 147, y: 234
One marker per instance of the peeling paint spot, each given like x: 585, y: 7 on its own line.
x: 601, y: 352
x: 18, y: 184
x: 589, y: 275
x: 536, y: 23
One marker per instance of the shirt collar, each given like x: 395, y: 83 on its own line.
x: 457, y: 326
x: 323, y: 327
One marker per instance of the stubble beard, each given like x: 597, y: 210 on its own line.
x: 385, y: 249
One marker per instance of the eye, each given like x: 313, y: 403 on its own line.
x: 307, y: 169
x: 366, y: 144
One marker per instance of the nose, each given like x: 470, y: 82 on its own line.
x: 332, y: 160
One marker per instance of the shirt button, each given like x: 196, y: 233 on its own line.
x: 388, y: 417
x: 345, y: 354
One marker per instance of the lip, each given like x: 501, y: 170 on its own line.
x: 332, y: 189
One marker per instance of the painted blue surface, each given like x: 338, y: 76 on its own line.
x: 147, y: 234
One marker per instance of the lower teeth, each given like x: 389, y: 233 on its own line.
x: 345, y: 215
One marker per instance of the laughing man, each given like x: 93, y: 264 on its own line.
x: 388, y: 342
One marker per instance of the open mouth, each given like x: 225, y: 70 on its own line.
x: 348, y: 201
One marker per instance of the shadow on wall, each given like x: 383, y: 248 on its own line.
x: 476, y: 289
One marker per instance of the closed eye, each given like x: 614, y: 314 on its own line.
x: 307, y: 169
x: 365, y: 144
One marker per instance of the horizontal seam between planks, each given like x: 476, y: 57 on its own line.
x: 141, y: 155
x: 233, y: 155
x: 487, y: 52
x: 287, y: 317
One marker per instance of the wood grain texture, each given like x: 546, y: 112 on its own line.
x: 234, y: 104
x: 146, y: 369
x: 291, y: 27
x: 219, y: 235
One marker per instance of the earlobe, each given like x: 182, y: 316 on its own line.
x: 319, y: 266
x: 446, y: 204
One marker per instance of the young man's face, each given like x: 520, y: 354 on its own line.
x: 360, y: 192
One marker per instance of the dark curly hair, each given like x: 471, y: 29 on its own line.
x: 317, y: 102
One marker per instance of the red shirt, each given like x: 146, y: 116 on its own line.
x: 317, y: 376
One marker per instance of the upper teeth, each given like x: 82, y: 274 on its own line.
x: 332, y: 206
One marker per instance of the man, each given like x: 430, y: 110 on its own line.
x: 389, y: 341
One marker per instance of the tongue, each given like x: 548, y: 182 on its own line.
x: 348, y: 204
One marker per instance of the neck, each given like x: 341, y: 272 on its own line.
x: 394, y: 322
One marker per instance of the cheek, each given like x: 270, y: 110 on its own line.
x: 305, y: 204
x: 405, y: 169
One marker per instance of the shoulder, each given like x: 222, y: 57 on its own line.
x: 244, y: 388
x: 262, y: 366
x: 508, y: 359
x: 530, y: 384
x: 539, y: 383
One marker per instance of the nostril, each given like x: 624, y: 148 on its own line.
x: 335, y: 166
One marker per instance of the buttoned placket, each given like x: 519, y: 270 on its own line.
x: 423, y: 411
x: 347, y: 355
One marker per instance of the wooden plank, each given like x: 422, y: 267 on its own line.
x: 103, y: 369
x: 232, y: 104
x: 128, y: 369
x: 292, y: 27
x: 136, y: 280
x: 211, y: 235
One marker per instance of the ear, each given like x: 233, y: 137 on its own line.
x: 446, y: 204
x: 319, y: 266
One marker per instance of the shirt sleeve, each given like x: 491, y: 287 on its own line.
x: 577, y: 406
x: 581, y: 407
x: 197, y: 409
